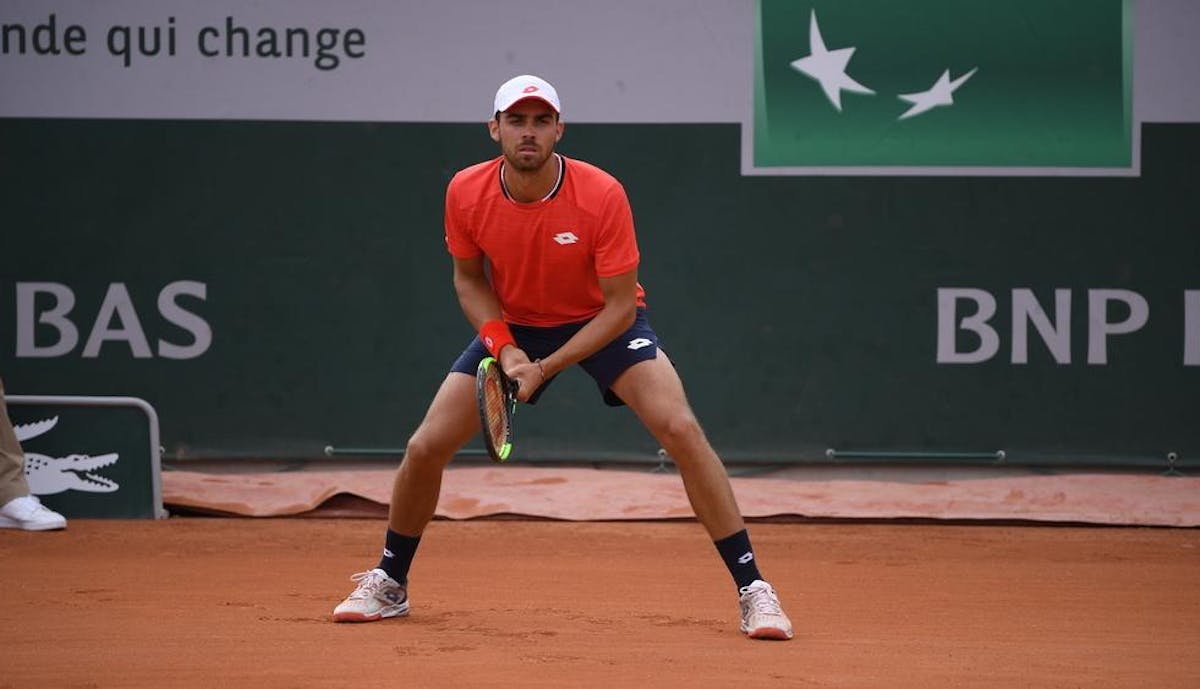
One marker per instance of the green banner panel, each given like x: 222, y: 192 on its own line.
x: 90, y: 457
x: 960, y: 83
x: 272, y: 288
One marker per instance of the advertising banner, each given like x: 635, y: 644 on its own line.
x: 90, y: 457
x: 932, y: 229
x: 1026, y: 87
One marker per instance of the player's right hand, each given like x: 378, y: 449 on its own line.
x: 516, y: 365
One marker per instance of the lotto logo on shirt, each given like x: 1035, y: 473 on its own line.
x: 566, y: 238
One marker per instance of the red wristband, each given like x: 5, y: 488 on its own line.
x: 495, y: 335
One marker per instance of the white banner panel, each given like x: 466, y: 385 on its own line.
x: 371, y: 60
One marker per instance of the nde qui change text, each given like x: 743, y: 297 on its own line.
x: 326, y: 47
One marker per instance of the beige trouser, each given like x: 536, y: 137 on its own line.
x: 12, y: 459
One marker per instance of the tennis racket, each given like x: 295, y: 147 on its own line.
x: 497, y: 395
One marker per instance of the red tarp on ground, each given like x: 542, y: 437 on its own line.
x: 583, y: 494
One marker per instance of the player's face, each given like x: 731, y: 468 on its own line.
x: 527, y: 133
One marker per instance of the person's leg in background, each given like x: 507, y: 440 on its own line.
x: 18, y: 508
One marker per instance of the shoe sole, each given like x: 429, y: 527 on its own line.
x: 363, y: 617
x: 769, y: 633
x: 6, y: 523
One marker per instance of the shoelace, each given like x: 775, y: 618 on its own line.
x: 765, y: 603
x: 368, y: 584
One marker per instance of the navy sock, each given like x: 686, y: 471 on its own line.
x: 735, y: 550
x: 398, y: 551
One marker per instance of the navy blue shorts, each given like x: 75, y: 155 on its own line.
x: 637, y: 344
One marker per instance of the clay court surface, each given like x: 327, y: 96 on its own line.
x: 241, y: 602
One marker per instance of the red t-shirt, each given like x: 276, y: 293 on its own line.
x: 545, y: 257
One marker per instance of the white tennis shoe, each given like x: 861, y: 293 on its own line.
x: 762, y: 616
x: 28, y: 513
x: 376, y: 597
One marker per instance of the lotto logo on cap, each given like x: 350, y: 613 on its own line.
x: 522, y: 87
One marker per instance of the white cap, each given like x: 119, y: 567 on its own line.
x: 522, y: 87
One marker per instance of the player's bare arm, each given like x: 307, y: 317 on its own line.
x: 620, y: 309
x: 475, y: 294
x: 479, y: 304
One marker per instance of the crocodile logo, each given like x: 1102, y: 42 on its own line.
x: 51, y: 475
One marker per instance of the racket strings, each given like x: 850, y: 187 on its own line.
x: 497, y: 415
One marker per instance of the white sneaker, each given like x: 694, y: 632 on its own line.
x: 377, y: 596
x: 28, y: 513
x: 762, y: 616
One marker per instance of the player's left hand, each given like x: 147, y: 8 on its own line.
x: 529, y: 378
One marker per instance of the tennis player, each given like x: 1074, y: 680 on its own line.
x: 545, y: 268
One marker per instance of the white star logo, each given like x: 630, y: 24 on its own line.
x: 828, y: 67
x: 941, y: 93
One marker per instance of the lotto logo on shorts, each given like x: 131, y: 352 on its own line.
x: 639, y: 343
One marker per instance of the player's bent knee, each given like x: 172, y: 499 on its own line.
x: 422, y: 452
x: 680, y: 431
